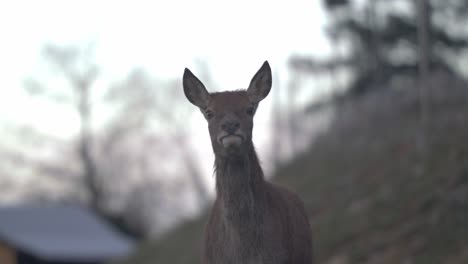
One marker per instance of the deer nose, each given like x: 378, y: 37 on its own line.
x: 230, y: 126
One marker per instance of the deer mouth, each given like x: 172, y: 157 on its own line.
x: 231, y: 140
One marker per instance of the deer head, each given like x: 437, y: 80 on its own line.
x: 229, y: 114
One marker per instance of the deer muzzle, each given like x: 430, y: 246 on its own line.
x: 231, y: 140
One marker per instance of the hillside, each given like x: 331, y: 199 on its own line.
x: 373, y: 192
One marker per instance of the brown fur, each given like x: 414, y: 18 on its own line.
x: 252, y: 221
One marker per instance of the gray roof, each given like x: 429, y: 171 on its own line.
x: 61, y: 233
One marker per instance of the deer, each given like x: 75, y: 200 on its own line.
x: 252, y: 220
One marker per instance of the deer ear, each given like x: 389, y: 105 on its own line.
x: 194, y: 90
x: 260, y: 85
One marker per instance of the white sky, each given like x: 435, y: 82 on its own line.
x: 164, y: 37
x: 232, y: 37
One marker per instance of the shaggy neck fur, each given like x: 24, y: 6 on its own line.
x: 240, y: 188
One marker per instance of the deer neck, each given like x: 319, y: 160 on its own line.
x: 240, y: 186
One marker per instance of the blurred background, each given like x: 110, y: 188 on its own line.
x: 366, y: 121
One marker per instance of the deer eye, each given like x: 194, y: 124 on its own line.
x: 250, y: 111
x: 209, y: 114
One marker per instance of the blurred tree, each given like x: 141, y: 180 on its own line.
x: 425, y: 51
x: 381, y: 40
x: 424, y: 26
x: 75, y: 66
x: 160, y: 107
x: 81, y: 72
x: 292, y: 123
x: 127, y: 163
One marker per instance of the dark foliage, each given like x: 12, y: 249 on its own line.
x: 383, y: 40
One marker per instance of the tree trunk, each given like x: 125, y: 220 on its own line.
x: 424, y: 25
x: 82, y: 88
